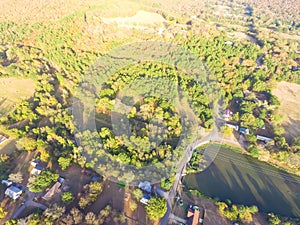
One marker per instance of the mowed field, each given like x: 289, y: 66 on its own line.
x: 289, y: 96
x: 13, y: 90
x: 27, y: 11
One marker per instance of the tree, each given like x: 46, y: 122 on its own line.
x: 138, y: 194
x: 254, y: 152
x: 3, y: 213
x: 16, y: 177
x: 53, y: 213
x: 26, y: 144
x: 42, y: 181
x: 91, y: 219
x: 132, y: 205
x: 273, y: 219
x: 296, y: 143
x: 77, y: 215
x: 67, y: 197
x: 64, y: 163
x: 156, y: 208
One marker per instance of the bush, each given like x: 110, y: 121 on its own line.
x: 67, y: 197
x: 156, y: 208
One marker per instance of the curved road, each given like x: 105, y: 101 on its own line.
x: 210, y: 155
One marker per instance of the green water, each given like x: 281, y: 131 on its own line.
x: 245, y: 180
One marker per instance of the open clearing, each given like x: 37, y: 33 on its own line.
x: 140, y: 18
x: 28, y: 11
x: 12, y: 90
x: 289, y: 96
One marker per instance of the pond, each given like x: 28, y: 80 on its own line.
x: 245, y: 180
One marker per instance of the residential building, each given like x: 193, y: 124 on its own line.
x: 37, y: 170
x: 193, y: 215
x: 263, y: 138
x: 145, y: 199
x: 145, y: 186
x: 54, y: 189
x: 13, y: 192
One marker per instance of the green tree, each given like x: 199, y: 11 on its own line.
x: 3, y: 213
x: 273, y: 219
x: 132, y: 205
x: 64, y: 163
x: 43, y: 181
x: 26, y: 144
x: 67, y: 197
x: 156, y: 208
x: 138, y: 194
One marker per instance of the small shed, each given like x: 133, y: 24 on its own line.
x: 244, y: 130
x: 13, y: 192
x: 6, y: 182
x: 227, y: 114
x: 235, y: 127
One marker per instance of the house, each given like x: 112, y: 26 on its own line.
x: 263, y: 138
x: 145, y: 186
x: 227, y: 114
x: 52, y: 191
x: 2, y: 139
x: 13, y: 192
x: 145, y: 199
x: 35, y: 162
x: 235, y: 127
x: 37, y: 170
x: 244, y: 130
x: 6, y: 182
x: 193, y: 215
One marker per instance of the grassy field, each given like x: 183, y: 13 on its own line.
x: 13, y: 90
x: 44, y: 11
x: 289, y: 95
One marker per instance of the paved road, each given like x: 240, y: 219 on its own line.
x: 29, y: 202
x: 209, y: 156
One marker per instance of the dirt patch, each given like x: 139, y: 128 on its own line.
x: 289, y: 97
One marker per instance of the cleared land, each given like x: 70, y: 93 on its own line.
x: 140, y: 18
x: 12, y: 90
x: 26, y: 11
x: 289, y: 96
